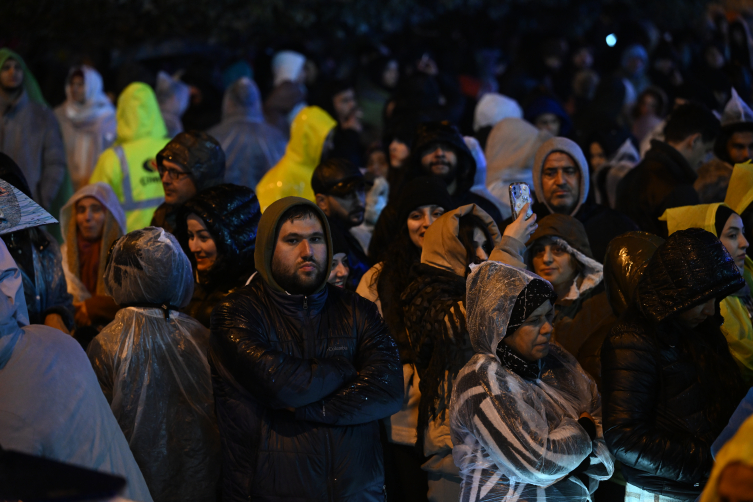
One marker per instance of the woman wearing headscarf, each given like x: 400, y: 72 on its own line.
x: 525, y: 417
x: 151, y: 363
x: 669, y: 382
x: 91, y: 221
x: 434, y: 317
x: 425, y: 199
x: 737, y: 308
x: 217, y: 230
x: 87, y: 122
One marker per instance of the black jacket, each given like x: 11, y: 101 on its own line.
x: 668, y: 390
x: 663, y: 179
x: 327, y: 356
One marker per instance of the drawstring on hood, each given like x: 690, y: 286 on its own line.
x: 571, y: 148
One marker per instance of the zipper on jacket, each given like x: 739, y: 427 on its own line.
x: 305, y: 303
x: 331, y: 480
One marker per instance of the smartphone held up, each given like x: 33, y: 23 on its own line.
x: 520, y: 195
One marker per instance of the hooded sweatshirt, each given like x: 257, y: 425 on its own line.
x: 99, y: 305
x: 88, y: 128
x: 515, y: 438
x: 251, y: 145
x: 30, y: 135
x: 129, y: 166
x: 292, y: 175
x: 735, y: 308
x: 602, y: 224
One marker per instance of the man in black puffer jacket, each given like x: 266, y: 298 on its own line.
x: 669, y: 383
x: 302, y: 372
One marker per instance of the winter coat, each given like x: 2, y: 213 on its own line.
x: 292, y: 175
x: 519, y: 439
x: 663, y: 179
x: 129, y: 166
x: 252, y: 147
x: 668, y: 390
x: 602, y: 224
x: 50, y: 402
x: 30, y: 135
x: 584, y: 311
x: 152, y: 366
x: 231, y: 214
x: 100, y: 306
x: 466, y: 166
x: 300, y: 382
x: 434, y: 306
x: 88, y: 128
x: 735, y: 309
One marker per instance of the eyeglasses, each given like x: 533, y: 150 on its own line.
x: 173, y: 174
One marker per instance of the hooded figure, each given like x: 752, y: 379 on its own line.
x: 510, y: 151
x: 84, y: 262
x: 88, y: 127
x: 288, y: 97
x: 173, y: 97
x: 521, y: 436
x: 669, y: 382
x: 50, y: 402
x: 292, y: 175
x: 602, y: 224
x: 434, y: 307
x: 460, y: 180
x: 231, y: 215
x: 152, y: 367
x: 251, y: 145
x: 479, y: 181
x: 200, y: 156
x: 490, y: 110
x: 30, y: 135
x: 38, y: 257
x: 129, y: 167
x: 737, y: 308
x: 740, y: 199
x: 300, y: 383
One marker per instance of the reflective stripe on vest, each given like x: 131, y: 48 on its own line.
x: 128, y: 203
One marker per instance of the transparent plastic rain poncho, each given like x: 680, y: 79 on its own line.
x: 153, y: 369
x: 516, y: 439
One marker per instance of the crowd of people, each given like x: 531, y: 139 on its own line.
x: 330, y: 294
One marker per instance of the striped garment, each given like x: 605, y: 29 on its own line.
x: 519, y: 440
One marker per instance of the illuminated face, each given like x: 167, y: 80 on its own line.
x: 531, y: 339
x: 560, y: 181
x: 419, y: 220
x: 90, y: 218
x: 340, y: 270
x: 299, y: 263
x: 740, y: 146
x: 552, y: 262
x: 201, y: 243
x: 734, y: 240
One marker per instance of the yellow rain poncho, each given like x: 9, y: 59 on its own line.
x: 292, y: 175
x: 739, y: 449
x: 737, y: 327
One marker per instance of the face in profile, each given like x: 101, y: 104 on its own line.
x: 177, y: 182
x: 733, y: 238
x: 531, y: 340
x: 299, y: 263
x: 696, y: 315
x: 90, y: 219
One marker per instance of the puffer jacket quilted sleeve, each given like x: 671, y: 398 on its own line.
x: 272, y: 376
x: 638, y: 436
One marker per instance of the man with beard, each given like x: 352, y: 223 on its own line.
x: 302, y: 372
x: 340, y: 191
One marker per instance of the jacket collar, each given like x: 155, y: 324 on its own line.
x: 294, y: 304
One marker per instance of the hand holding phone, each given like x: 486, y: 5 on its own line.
x: 520, y: 195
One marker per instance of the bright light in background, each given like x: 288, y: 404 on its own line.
x: 611, y: 40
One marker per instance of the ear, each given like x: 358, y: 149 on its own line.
x: 694, y: 140
x: 323, y: 202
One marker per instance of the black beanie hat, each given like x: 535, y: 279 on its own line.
x: 423, y: 191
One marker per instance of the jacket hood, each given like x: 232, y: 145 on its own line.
x: 199, y: 154
x: 690, y: 268
x: 493, y: 108
x: 96, y: 103
x: 626, y: 259
x: 572, y: 235
x: 571, y: 148
x: 173, y: 95
x: 138, y: 114
x: 265, y: 238
x: 492, y: 289
x: 30, y: 83
x: 736, y: 112
x: 104, y: 194
x: 511, y: 149
x: 287, y: 66
x: 442, y: 248
x: 242, y: 100
x: 698, y: 216
x: 739, y: 449
x: 308, y: 132
x: 740, y: 188
x: 231, y: 214
x: 440, y: 132
x: 148, y: 267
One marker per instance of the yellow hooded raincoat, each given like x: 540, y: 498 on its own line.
x: 129, y: 166
x: 292, y: 175
x: 737, y: 327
